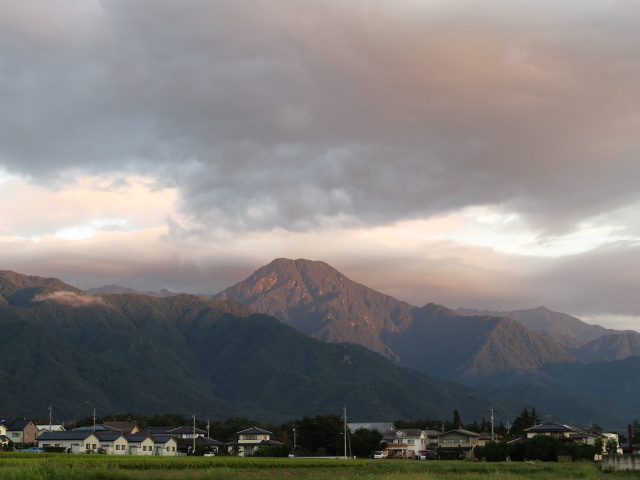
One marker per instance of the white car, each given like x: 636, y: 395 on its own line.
x: 379, y: 454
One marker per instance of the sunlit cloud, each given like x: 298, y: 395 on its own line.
x: 71, y: 299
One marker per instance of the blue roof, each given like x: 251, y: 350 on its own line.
x: 108, y: 436
x: 68, y: 435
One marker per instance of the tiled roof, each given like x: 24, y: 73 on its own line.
x: 108, y: 436
x: 209, y: 441
x: 68, y: 435
x: 161, y: 438
x: 254, y: 431
x: 185, y: 430
x: 551, y: 427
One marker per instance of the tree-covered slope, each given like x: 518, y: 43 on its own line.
x: 183, y: 354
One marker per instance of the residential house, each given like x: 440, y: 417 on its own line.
x: 250, y: 440
x: 460, y: 440
x: 50, y: 428
x: 211, y: 444
x: 139, y: 444
x: 183, y: 433
x: 164, y: 445
x: 18, y: 431
x: 405, y: 443
x: 74, y: 441
x: 562, y: 431
x: 124, y: 427
x: 113, y: 443
x: 568, y: 432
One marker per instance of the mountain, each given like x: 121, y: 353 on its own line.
x: 184, y: 354
x: 584, y: 341
x: 610, y: 347
x: 318, y: 300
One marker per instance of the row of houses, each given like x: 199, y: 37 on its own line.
x: 413, y: 443
x: 124, y: 438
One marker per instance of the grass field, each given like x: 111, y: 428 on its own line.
x: 92, y: 467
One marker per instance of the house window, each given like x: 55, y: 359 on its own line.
x: 15, y: 434
x: 94, y: 446
x: 409, y: 441
x: 250, y: 437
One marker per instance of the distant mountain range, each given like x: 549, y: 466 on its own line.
x: 520, y: 355
x: 236, y: 353
x: 184, y: 353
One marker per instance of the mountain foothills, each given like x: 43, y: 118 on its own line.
x: 184, y: 354
x: 297, y: 338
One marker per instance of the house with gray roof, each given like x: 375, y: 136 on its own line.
x: 18, y: 431
x: 250, y: 440
x: 74, y: 441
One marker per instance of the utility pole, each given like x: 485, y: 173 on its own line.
x: 94, y: 419
x: 193, y: 452
x: 492, y: 411
x: 345, y: 431
x: 208, y: 427
x: 50, y: 417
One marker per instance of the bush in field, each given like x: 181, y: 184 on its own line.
x: 276, y: 451
x: 493, y: 451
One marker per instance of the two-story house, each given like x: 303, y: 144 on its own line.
x: 18, y: 431
x: 460, y: 440
x: 250, y: 440
x: 405, y: 443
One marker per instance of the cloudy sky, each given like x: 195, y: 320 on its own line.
x: 472, y: 154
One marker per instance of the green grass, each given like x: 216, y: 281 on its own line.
x: 98, y: 467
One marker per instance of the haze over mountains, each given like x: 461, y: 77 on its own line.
x: 228, y: 355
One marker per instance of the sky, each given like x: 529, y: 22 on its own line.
x: 471, y: 154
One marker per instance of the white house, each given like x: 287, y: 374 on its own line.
x: 113, y: 443
x: 164, y: 445
x: 73, y: 441
x: 405, y: 443
x: 251, y: 439
x: 140, y: 444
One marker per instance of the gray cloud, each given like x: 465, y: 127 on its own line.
x: 283, y: 114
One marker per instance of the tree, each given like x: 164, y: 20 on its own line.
x: 542, y: 447
x: 321, y: 432
x: 364, y: 442
x: 457, y: 420
x: 493, y: 451
x: 612, y: 446
x: 523, y: 421
x: 598, y: 443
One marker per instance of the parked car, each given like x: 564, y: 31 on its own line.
x: 34, y: 449
x: 380, y: 454
x: 292, y: 454
x: 209, y: 454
